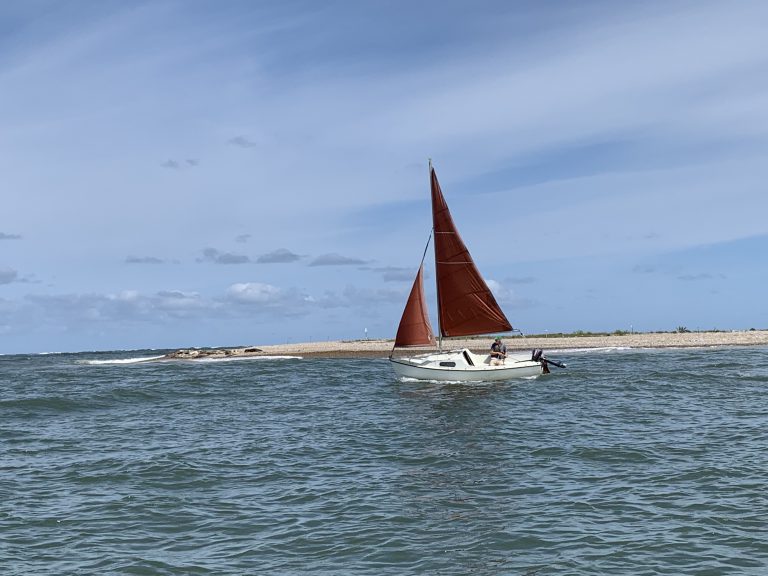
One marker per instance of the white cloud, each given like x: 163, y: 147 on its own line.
x: 123, y: 306
x: 125, y: 296
x: 177, y: 300
x: 254, y: 293
x: 508, y: 299
x: 501, y: 293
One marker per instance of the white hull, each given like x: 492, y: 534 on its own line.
x: 464, y: 366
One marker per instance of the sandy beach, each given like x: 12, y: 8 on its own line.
x: 382, y: 348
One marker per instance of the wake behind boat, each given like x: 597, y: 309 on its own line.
x: 465, y: 307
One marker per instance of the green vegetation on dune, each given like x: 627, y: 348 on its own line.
x: 586, y: 334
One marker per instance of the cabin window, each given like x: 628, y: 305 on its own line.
x: 448, y: 364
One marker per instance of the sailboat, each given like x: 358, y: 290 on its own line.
x: 465, y: 307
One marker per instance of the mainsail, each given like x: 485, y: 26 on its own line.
x: 415, y: 329
x: 466, y: 306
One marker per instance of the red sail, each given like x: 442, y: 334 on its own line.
x: 415, y: 329
x: 466, y: 306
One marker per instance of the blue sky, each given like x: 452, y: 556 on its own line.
x: 199, y: 173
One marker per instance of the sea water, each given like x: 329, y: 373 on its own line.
x: 629, y: 462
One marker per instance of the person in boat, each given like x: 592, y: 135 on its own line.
x: 498, y: 352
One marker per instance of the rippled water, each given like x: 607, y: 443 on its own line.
x: 629, y: 462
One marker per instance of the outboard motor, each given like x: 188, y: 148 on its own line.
x: 537, y: 356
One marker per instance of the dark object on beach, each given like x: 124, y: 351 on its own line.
x: 252, y: 350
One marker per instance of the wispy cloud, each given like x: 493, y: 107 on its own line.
x: 8, y: 275
x: 144, y: 260
x: 171, y: 164
x: 217, y: 257
x: 359, y: 297
x: 279, y: 256
x: 365, y: 297
x: 701, y: 276
x: 336, y: 260
x: 4, y: 236
x: 394, y: 273
x: 520, y: 280
x: 242, y: 142
x: 243, y: 238
x: 508, y: 297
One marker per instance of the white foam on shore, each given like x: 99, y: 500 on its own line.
x: 204, y: 360
x: 119, y: 361
x: 588, y: 350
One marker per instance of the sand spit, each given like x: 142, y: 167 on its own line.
x: 382, y: 348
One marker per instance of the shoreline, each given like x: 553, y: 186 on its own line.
x: 382, y: 348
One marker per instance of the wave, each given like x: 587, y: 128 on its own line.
x: 119, y: 361
x: 205, y: 360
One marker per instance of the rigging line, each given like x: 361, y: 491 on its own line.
x: 423, y: 256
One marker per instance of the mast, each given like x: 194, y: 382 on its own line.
x: 437, y: 284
